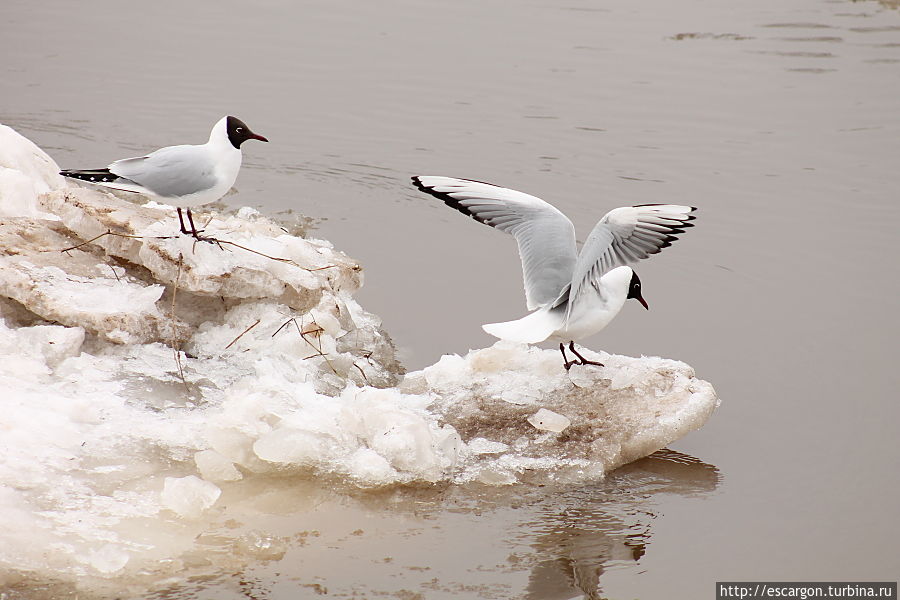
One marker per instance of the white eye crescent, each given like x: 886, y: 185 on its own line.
x: 239, y: 129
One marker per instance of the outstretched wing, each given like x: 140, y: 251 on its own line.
x: 545, y: 236
x: 626, y: 235
x: 170, y: 172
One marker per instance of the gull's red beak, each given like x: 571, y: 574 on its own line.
x: 256, y: 136
x: 642, y: 301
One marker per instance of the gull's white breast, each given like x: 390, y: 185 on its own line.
x: 590, y: 314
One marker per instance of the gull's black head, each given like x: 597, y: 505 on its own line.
x: 238, y: 132
x: 634, y: 290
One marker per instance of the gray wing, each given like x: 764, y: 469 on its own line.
x: 170, y: 172
x: 626, y: 235
x: 545, y: 236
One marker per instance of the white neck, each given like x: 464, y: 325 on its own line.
x: 219, y: 133
x: 615, y: 285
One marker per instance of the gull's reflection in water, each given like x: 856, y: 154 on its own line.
x: 554, y: 540
x: 594, y: 527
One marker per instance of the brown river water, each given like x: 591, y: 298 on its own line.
x: 779, y: 119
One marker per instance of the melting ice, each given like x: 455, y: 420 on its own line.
x: 142, y: 375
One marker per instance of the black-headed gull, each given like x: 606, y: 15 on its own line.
x: 184, y: 176
x: 573, y: 295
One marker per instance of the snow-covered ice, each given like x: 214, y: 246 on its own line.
x: 26, y: 172
x: 143, y: 375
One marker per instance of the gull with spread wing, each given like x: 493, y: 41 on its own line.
x: 184, y: 176
x: 573, y: 295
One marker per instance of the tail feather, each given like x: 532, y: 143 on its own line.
x: 530, y: 329
x: 90, y: 175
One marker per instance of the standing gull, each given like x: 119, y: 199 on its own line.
x: 573, y: 295
x: 184, y: 176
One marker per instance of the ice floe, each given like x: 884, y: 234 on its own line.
x: 143, y: 373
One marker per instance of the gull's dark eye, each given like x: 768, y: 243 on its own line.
x: 239, y: 129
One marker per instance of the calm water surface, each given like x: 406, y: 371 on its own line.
x: 778, y: 119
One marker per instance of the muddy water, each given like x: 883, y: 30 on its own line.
x: 777, y: 119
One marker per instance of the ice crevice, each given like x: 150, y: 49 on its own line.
x: 143, y: 374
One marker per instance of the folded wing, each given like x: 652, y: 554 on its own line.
x: 170, y: 172
x: 545, y: 236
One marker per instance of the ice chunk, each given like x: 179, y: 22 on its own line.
x: 369, y: 466
x: 327, y: 322
x: 120, y: 310
x: 189, y: 496
x: 215, y: 467
x: 547, y: 420
x: 262, y: 546
x: 410, y: 440
x: 108, y: 559
x: 449, y: 444
x: 446, y: 372
x: 403, y: 439
x: 264, y: 263
x: 77, y: 288
x: 53, y: 343
x: 655, y: 403
x: 247, y: 212
x: 495, y: 474
x: 235, y: 446
x: 26, y: 172
x: 293, y: 446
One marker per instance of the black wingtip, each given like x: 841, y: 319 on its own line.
x: 90, y: 175
x: 687, y: 217
x: 447, y: 198
x: 417, y: 179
